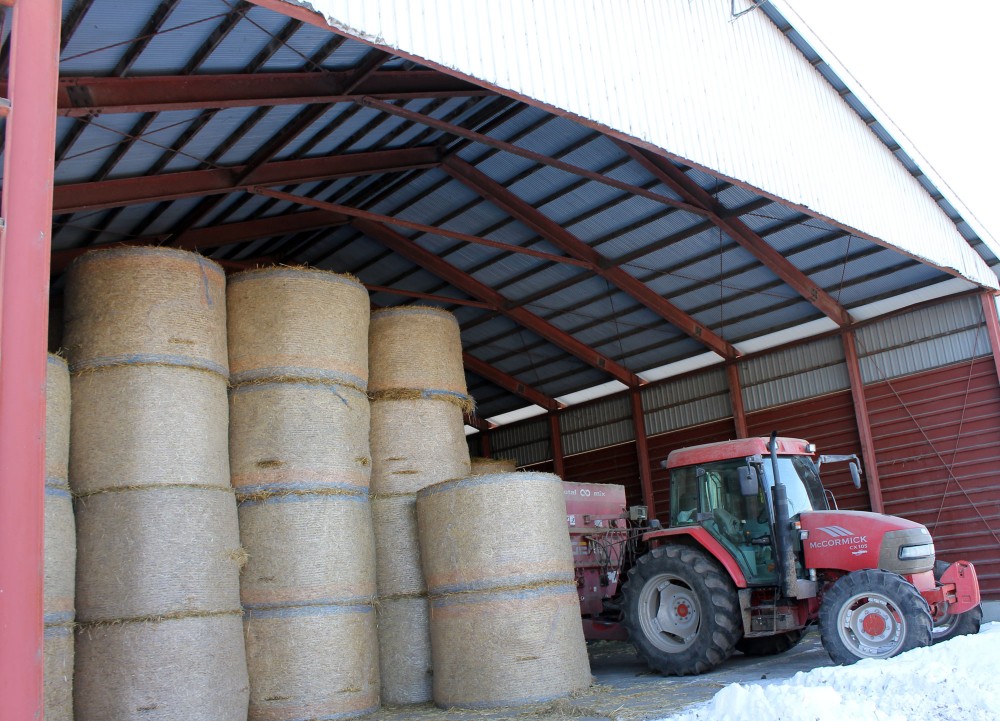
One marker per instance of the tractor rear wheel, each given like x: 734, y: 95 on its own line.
x: 769, y: 645
x: 872, y: 614
x: 962, y: 624
x: 681, y: 611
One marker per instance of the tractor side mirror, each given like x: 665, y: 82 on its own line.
x: 749, y: 484
x: 855, y: 475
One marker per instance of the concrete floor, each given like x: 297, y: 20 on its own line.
x: 625, y: 690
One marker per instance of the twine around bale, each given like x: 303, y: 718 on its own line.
x: 465, y: 402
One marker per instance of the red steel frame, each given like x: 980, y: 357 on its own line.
x: 736, y: 396
x: 24, y: 283
x: 864, y: 422
x: 642, y: 451
x: 992, y: 326
x: 555, y: 435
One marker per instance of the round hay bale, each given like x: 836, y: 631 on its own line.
x: 157, y: 552
x: 312, y: 662
x: 148, y: 425
x: 298, y: 323
x: 60, y: 555
x: 527, y: 543
x: 292, y: 435
x: 58, y: 677
x: 416, y: 347
x: 307, y: 549
x: 398, y: 571
x: 159, y: 306
x: 416, y: 443
x: 57, y: 411
x: 185, y: 668
x: 404, y: 650
x: 507, y: 648
x: 485, y: 466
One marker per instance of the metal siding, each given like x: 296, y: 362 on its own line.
x: 937, y: 438
x: 596, y: 425
x: 526, y: 442
x: 794, y: 374
x: 618, y: 50
x: 689, y: 401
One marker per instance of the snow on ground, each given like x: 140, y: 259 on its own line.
x: 953, y: 681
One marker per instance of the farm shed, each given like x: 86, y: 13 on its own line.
x: 657, y: 224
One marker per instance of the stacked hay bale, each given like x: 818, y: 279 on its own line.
x: 60, y: 546
x: 485, y: 466
x: 505, y: 617
x: 418, y: 392
x: 301, y: 465
x: 157, y: 594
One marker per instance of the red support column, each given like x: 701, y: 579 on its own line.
x: 736, y: 396
x: 864, y: 426
x: 555, y: 435
x: 992, y: 326
x: 642, y: 451
x: 485, y: 443
x: 24, y: 293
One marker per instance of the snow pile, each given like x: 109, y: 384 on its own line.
x: 953, y: 681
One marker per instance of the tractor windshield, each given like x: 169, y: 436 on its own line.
x: 798, y: 473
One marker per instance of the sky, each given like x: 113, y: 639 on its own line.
x: 932, y: 67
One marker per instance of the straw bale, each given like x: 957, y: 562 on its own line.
x: 507, y: 648
x: 298, y: 323
x: 58, y: 679
x: 57, y: 411
x: 415, y: 347
x: 416, y: 443
x: 526, y: 544
x: 190, y: 669
x: 404, y: 649
x: 157, y: 552
x: 312, y: 662
x: 315, y: 549
x: 146, y: 305
x: 483, y: 466
x: 398, y: 551
x: 60, y: 553
x: 282, y: 434
x: 139, y: 425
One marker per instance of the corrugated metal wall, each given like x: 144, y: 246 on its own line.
x: 686, y: 78
x: 596, y: 425
x: 528, y: 442
x: 937, y: 438
x: 794, y: 374
x: 685, y: 402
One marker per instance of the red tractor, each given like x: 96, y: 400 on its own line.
x: 754, y: 554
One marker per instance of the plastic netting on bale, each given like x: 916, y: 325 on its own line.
x: 527, y: 543
x: 405, y: 649
x: 312, y: 662
x: 298, y: 435
x: 494, y: 649
x: 59, y: 545
x: 399, y: 572
x: 159, y: 306
x: 298, y: 323
x: 484, y: 466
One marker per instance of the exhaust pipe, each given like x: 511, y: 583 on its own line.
x: 782, y: 526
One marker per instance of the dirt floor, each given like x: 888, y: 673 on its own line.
x: 625, y: 690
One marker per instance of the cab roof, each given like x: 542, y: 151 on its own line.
x: 738, y: 448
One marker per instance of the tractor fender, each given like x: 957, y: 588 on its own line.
x: 698, y: 536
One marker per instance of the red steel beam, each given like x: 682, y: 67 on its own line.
x: 426, y: 296
x: 469, y: 285
x: 992, y: 326
x: 510, y: 383
x: 217, y: 236
x: 736, y: 395
x: 675, y: 179
x: 29, y: 159
x: 390, y: 220
x: 529, y: 154
x: 642, y: 451
x: 85, y: 97
x: 863, y: 422
x: 567, y: 242
x: 555, y: 438
x: 171, y: 186
x: 480, y: 424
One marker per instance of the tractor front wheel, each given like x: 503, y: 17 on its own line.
x: 681, y: 611
x: 872, y: 614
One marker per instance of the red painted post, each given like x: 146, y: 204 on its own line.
x: 555, y: 435
x: 24, y: 293
x: 485, y: 443
x: 864, y: 425
x: 992, y: 326
x: 736, y: 396
x: 642, y: 451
